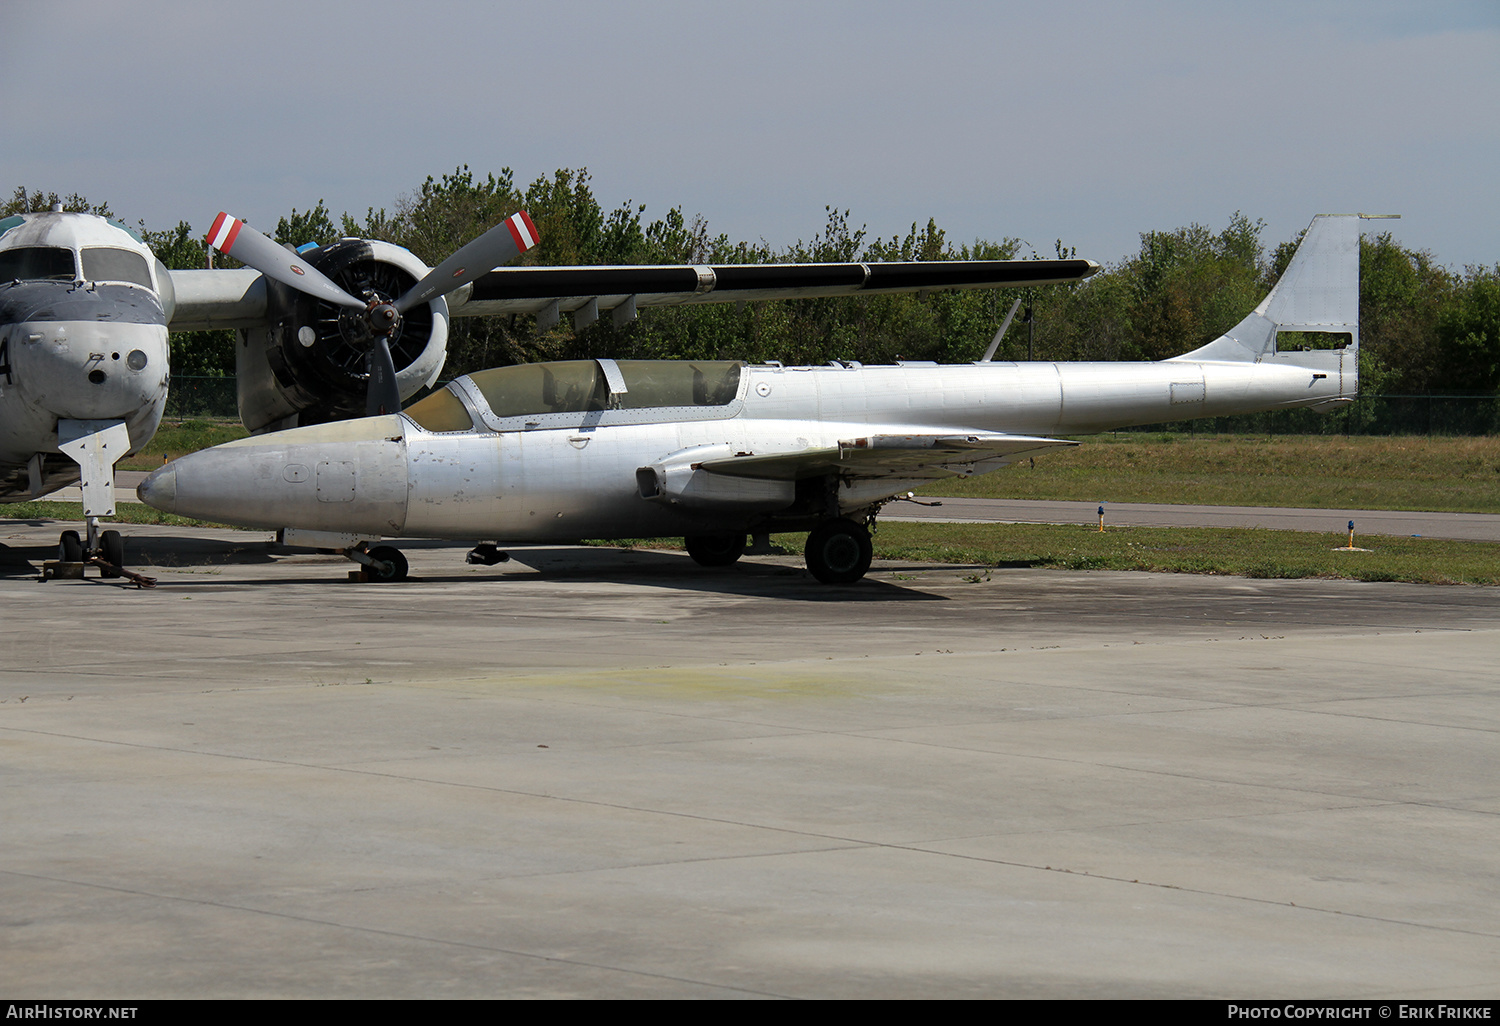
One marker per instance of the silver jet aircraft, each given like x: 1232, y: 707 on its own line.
x: 324, y: 333
x: 715, y: 450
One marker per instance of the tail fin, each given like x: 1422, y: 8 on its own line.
x: 1319, y: 291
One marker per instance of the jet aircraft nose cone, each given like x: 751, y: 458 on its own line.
x: 160, y: 489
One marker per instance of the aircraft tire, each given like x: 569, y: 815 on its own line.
x: 70, y: 548
x: 715, y: 549
x: 839, y: 551
x: 387, y: 554
x: 112, y: 548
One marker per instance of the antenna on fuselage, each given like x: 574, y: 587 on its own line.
x: 989, y: 354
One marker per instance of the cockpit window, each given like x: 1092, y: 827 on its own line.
x: 580, y: 386
x: 678, y: 383
x: 441, y: 411
x: 570, y: 386
x: 36, y: 263
x: 115, y: 265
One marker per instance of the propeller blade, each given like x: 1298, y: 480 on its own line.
x: 235, y: 238
x: 501, y: 244
x: 382, y: 394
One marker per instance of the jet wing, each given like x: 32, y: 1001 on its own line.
x: 237, y: 298
x: 909, y: 457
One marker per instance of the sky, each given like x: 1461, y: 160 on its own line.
x: 1089, y: 122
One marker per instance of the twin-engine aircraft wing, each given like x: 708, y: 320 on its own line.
x: 914, y: 457
x: 237, y: 298
x: 585, y: 292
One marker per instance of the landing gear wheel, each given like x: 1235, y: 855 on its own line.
x: 112, y: 548
x: 387, y: 554
x: 839, y: 551
x: 69, y: 548
x: 486, y: 554
x: 715, y: 549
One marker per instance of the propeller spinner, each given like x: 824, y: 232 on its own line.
x: 501, y: 244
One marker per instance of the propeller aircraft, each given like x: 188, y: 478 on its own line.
x: 713, y: 451
x: 348, y: 329
x: 84, y: 308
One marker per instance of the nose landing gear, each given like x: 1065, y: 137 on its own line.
x: 95, y: 445
x: 378, y: 565
x: 104, y: 549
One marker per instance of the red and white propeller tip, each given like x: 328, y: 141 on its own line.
x: 225, y: 231
x: 522, y: 230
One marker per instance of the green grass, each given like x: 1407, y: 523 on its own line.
x: 125, y: 513
x: 1460, y: 475
x: 175, y: 439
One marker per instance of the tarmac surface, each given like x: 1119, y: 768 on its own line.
x: 592, y: 772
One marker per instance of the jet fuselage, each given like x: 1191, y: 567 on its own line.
x: 477, y: 472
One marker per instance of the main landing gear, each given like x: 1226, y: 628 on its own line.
x: 385, y: 563
x: 839, y: 551
x: 715, y: 549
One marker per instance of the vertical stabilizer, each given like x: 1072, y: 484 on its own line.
x: 1318, y: 291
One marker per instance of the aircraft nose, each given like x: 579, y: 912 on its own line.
x: 344, y: 477
x: 94, y: 370
x: 160, y: 489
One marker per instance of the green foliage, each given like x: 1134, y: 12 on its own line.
x: 197, y: 353
x: 1182, y: 289
x: 178, y: 248
x: 1424, y: 329
x: 1468, y: 332
x: 207, y: 354
x: 23, y: 201
x: 315, y: 226
x: 1400, y: 291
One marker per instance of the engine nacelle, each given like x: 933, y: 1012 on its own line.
x: 309, y: 364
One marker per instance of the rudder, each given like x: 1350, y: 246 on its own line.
x: 1318, y: 291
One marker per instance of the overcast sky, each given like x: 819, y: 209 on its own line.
x: 1088, y: 121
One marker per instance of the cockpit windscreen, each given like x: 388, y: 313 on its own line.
x: 37, y: 263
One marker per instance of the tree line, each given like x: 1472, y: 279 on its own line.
x: 1425, y: 329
